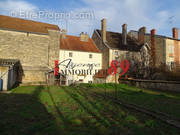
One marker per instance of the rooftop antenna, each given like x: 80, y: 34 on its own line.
x: 171, y: 20
x: 66, y: 21
x: 89, y: 28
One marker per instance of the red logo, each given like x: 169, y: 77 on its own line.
x: 124, y: 66
x: 56, y: 71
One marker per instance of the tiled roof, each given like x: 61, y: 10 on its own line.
x: 114, y: 40
x: 18, y: 24
x: 74, y: 43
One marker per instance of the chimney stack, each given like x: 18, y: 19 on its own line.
x: 64, y: 33
x: 175, y: 33
x: 124, y: 34
x: 141, y: 35
x: 86, y: 37
x: 153, y: 33
x: 82, y: 36
x: 103, y: 30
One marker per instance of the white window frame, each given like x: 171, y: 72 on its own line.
x: 116, y: 53
x: 171, y: 49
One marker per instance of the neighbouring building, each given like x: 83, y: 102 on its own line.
x: 34, y: 44
x: 115, y: 46
x: 79, y: 59
x: 8, y: 73
x: 164, y: 50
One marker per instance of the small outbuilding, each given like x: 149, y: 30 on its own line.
x: 8, y: 73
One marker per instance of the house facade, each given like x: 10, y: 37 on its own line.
x: 34, y: 44
x: 116, y: 46
x: 79, y: 59
x: 164, y: 50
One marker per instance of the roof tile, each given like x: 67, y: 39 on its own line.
x: 74, y: 43
x: 18, y: 24
x: 114, y: 40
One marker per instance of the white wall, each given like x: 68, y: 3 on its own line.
x: 78, y: 59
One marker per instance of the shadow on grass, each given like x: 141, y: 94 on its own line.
x: 139, y: 97
x: 24, y: 114
x: 58, y: 111
x: 159, y: 102
x: 105, y: 106
x: 107, y: 118
x: 78, y: 125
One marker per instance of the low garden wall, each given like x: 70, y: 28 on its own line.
x: 154, y: 84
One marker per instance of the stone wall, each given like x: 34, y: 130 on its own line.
x: 154, y: 84
x: 160, y: 49
x: 36, y: 52
x: 54, y: 46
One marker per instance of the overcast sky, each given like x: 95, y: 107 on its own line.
x: 159, y: 14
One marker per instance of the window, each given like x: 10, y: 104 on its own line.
x: 90, y: 56
x: 116, y: 53
x: 171, y: 65
x: 70, y: 54
x: 63, y: 82
x: 89, y: 81
x: 171, y: 50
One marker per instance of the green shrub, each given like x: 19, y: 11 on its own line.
x: 150, y: 123
x: 131, y: 119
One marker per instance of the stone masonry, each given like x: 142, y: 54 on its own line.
x: 36, y: 53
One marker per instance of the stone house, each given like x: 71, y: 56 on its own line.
x: 34, y: 44
x: 164, y: 50
x: 116, y: 46
x: 79, y: 59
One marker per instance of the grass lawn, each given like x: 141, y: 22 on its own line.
x: 42, y: 110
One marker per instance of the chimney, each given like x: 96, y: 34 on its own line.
x: 153, y: 33
x: 175, y: 33
x: 86, y: 38
x: 103, y: 30
x: 82, y: 36
x: 124, y: 34
x: 141, y: 35
x: 64, y: 33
